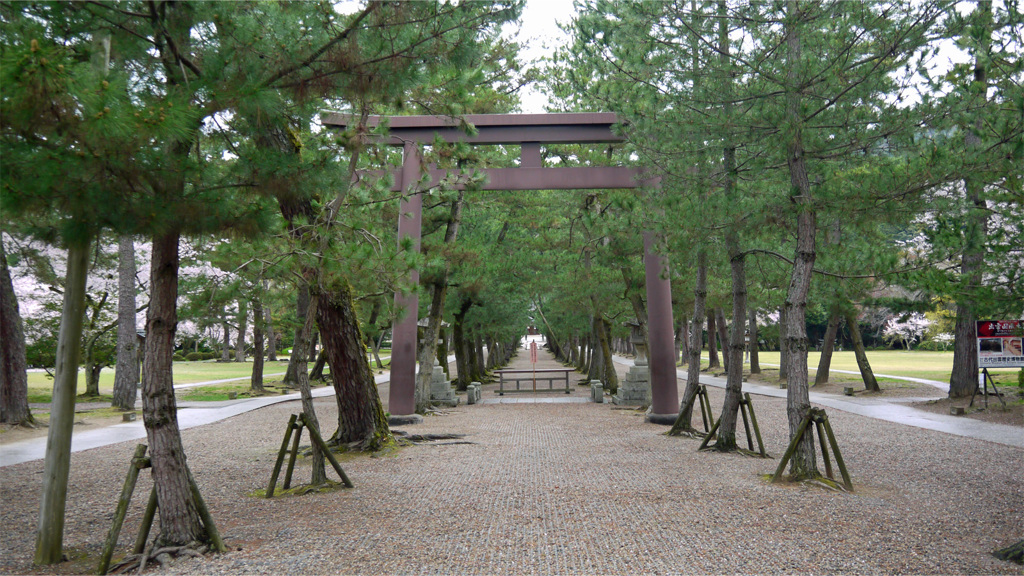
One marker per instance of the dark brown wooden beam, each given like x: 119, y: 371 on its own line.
x: 585, y: 128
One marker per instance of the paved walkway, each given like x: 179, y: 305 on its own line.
x: 884, y: 409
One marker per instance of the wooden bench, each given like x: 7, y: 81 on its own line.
x: 542, y: 374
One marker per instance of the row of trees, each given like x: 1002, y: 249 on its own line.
x: 818, y: 145
x: 179, y: 120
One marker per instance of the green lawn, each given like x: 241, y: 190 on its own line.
x: 39, y: 383
x: 916, y: 364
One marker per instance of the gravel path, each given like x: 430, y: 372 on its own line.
x: 560, y: 488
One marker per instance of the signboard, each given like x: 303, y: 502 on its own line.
x: 533, y: 352
x: 1000, y: 343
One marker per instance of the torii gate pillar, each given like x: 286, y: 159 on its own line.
x: 401, y: 400
x: 660, y: 336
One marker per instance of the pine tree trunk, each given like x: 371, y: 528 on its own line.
x: 13, y: 363
x: 755, y: 364
x: 92, y: 377
x: 862, y: 356
x: 783, y: 350
x: 608, y: 375
x: 56, y: 466
x: 126, y: 371
x: 179, y: 518
x: 713, y: 361
x: 963, y: 381
x: 376, y: 350
x: 318, y: 474
x: 479, y: 371
x: 829, y: 343
x: 684, y: 421
x: 268, y: 327
x: 314, y: 340
x: 297, y: 362
x: 461, y: 348
x: 442, y: 350
x: 803, y: 463
x: 681, y: 341
x: 428, y: 350
x: 258, y: 323
x: 225, y: 340
x: 243, y: 320
x: 317, y: 373
x: 723, y: 336
x: 733, y: 352
x: 361, y: 416
x: 596, y: 363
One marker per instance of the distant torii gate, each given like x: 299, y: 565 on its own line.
x: 528, y: 131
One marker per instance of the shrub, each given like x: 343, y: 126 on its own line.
x: 178, y: 357
x: 933, y: 346
x: 208, y: 355
x: 193, y: 356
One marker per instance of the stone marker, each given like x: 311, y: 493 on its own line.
x: 473, y: 393
x: 597, y: 391
x: 441, y: 390
x: 128, y: 417
x: 635, y: 390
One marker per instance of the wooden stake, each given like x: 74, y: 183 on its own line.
x: 294, y: 454
x: 147, y: 523
x: 746, y: 424
x: 824, y: 448
x: 839, y: 457
x: 711, y: 433
x: 315, y: 436
x: 705, y: 405
x: 121, y: 510
x: 792, y: 446
x: 753, y: 420
x: 280, y: 456
x: 204, y: 513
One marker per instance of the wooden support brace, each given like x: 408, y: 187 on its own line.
x: 823, y: 442
x: 711, y: 433
x: 839, y: 457
x: 147, y: 523
x: 757, y: 429
x: 792, y: 447
x: 204, y: 514
x: 746, y: 423
x: 122, y: 509
x: 293, y: 455
x: 705, y: 406
x: 315, y: 436
x: 280, y: 456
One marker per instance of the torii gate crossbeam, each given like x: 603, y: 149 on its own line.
x: 528, y: 131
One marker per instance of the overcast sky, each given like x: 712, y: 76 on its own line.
x: 539, y: 36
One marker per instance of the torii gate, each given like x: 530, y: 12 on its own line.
x: 528, y: 131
